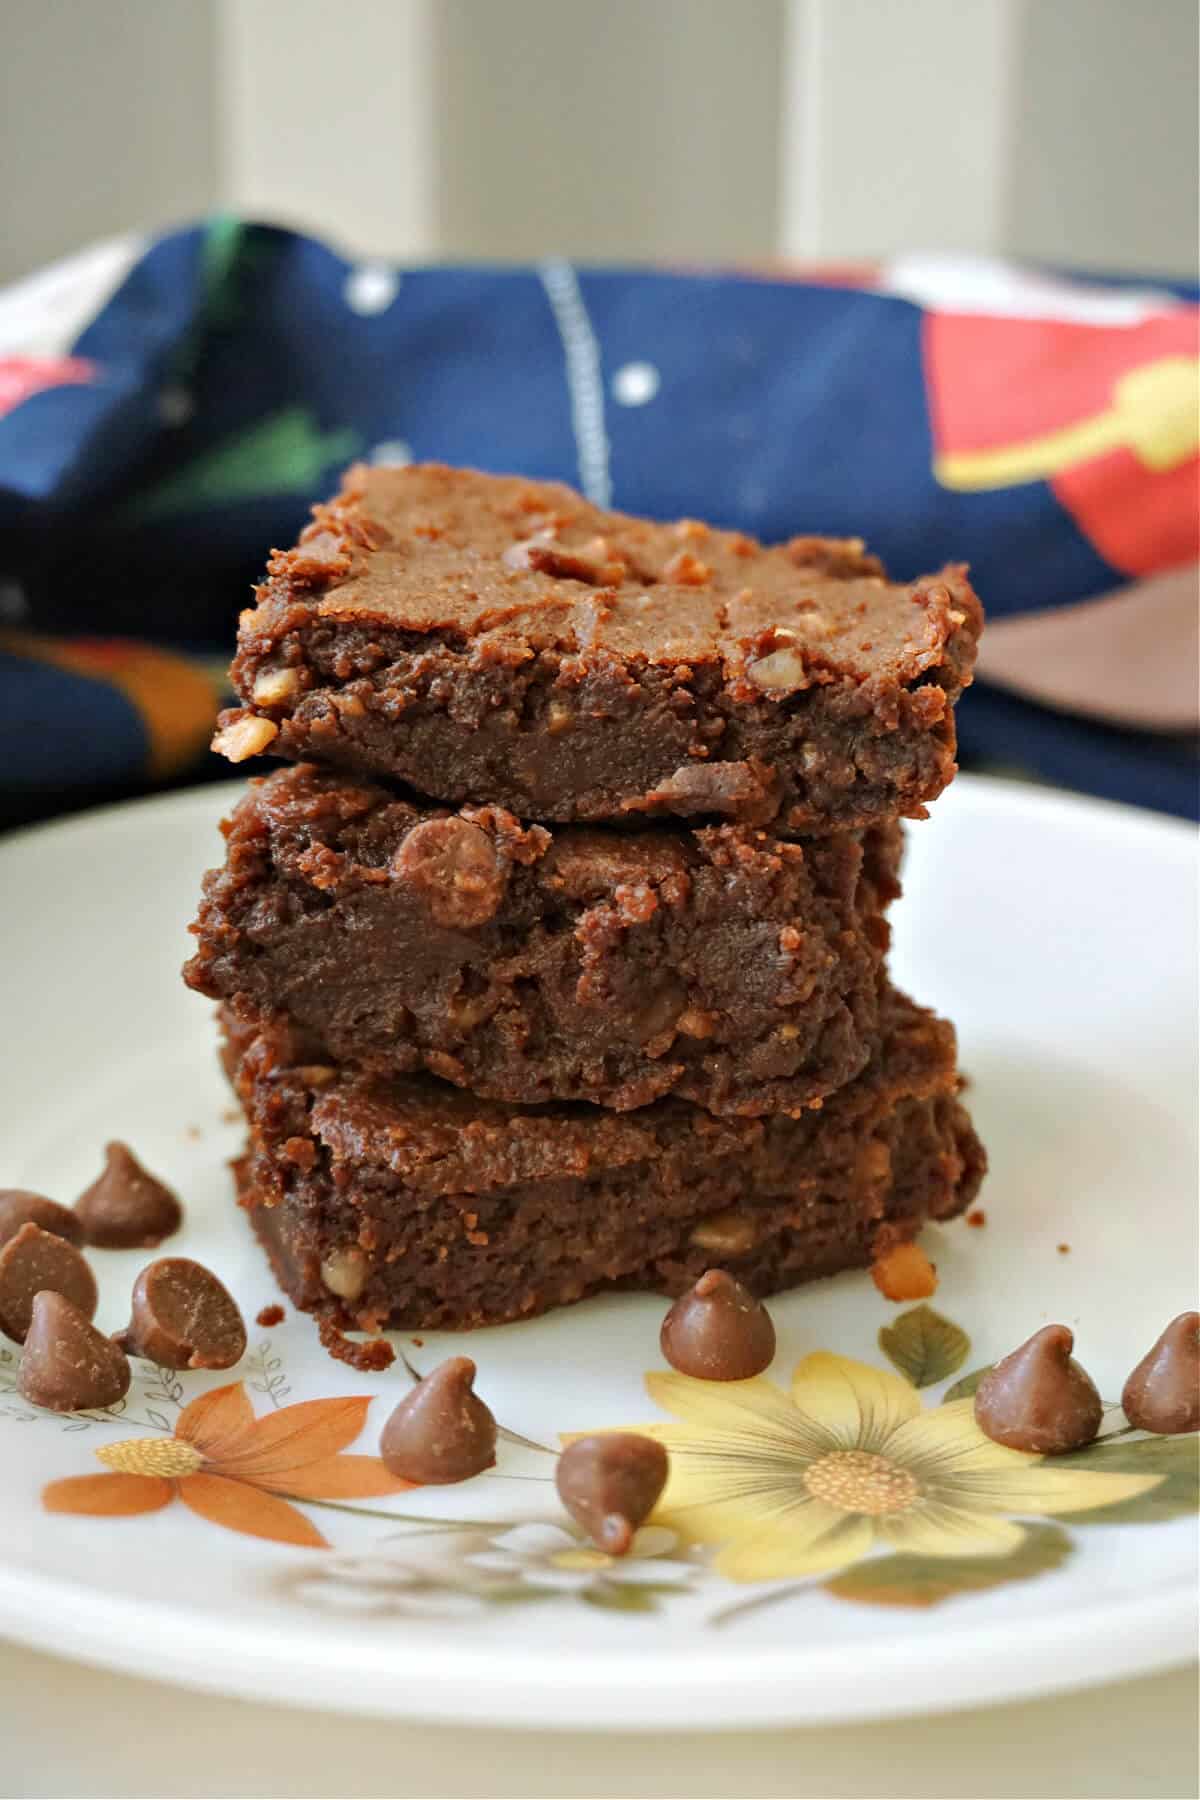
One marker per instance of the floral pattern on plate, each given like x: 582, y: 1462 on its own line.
x: 846, y: 1462
x: 236, y: 1470
x: 843, y: 1482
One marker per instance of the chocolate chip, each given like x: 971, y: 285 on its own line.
x: 452, y: 865
x: 66, y: 1362
x: 127, y: 1208
x: 183, y: 1318
x: 718, y: 1331
x: 609, y: 1484
x: 442, y: 1431
x: 33, y: 1260
x: 1039, y: 1398
x: 19, y: 1207
x: 1163, y: 1392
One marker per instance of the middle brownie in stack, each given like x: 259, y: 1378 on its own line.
x: 570, y: 963
x: 492, y: 1059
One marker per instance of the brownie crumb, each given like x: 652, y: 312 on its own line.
x: 1063, y: 1249
x: 904, y: 1272
x: 369, y: 1359
x: 192, y: 1133
x: 419, y: 1342
x: 270, y: 1315
x: 977, y: 1217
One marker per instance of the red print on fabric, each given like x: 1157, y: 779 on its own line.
x: 21, y: 376
x: 1108, y: 415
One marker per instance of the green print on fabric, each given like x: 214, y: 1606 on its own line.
x: 285, y: 453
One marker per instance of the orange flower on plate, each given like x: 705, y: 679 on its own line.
x: 236, y: 1470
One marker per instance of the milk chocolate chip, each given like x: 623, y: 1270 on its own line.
x: 610, y: 1483
x: 452, y: 865
x: 1163, y: 1392
x: 35, y: 1259
x: 66, y: 1362
x: 19, y: 1207
x: 442, y: 1431
x: 1039, y: 1398
x: 127, y: 1208
x: 718, y: 1331
x: 183, y: 1318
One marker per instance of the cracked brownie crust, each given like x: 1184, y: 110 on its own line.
x: 489, y: 637
x: 526, y: 964
x: 408, y: 1204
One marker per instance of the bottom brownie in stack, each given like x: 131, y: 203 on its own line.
x: 407, y: 1203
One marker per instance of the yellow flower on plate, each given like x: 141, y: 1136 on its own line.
x: 807, y: 1482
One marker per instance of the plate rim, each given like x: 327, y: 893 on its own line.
x: 1054, y: 1653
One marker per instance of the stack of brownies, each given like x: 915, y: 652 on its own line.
x: 554, y: 958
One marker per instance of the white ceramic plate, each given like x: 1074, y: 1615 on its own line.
x: 1058, y: 934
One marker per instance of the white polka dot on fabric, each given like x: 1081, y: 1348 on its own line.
x: 175, y: 406
x: 371, y: 288
x: 14, y: 607
x: 392, y: 453
x: 635, y: 384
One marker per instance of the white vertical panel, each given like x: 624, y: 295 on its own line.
x: 802, y: 201
x: 1104, y: 167
x: 625, y: 128
x: 897, y: 123
x: 106, y: 123
x: 328, y: 117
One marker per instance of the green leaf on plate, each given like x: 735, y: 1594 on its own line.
x: 1176, y: 1459
x: 625, y: 1596
x: 1130, y: 1455
x: 924, y: 1346
x: 902, y: 1580
x: 964, y: 1388
x: 516, y: 1594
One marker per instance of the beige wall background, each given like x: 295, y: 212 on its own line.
x: 1059, y: 129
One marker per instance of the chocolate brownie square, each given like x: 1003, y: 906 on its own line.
x: 527, y: 964
x: 499, y: 641
x: 408, y: 1203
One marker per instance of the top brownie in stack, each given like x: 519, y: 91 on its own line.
x: 499, y: 641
